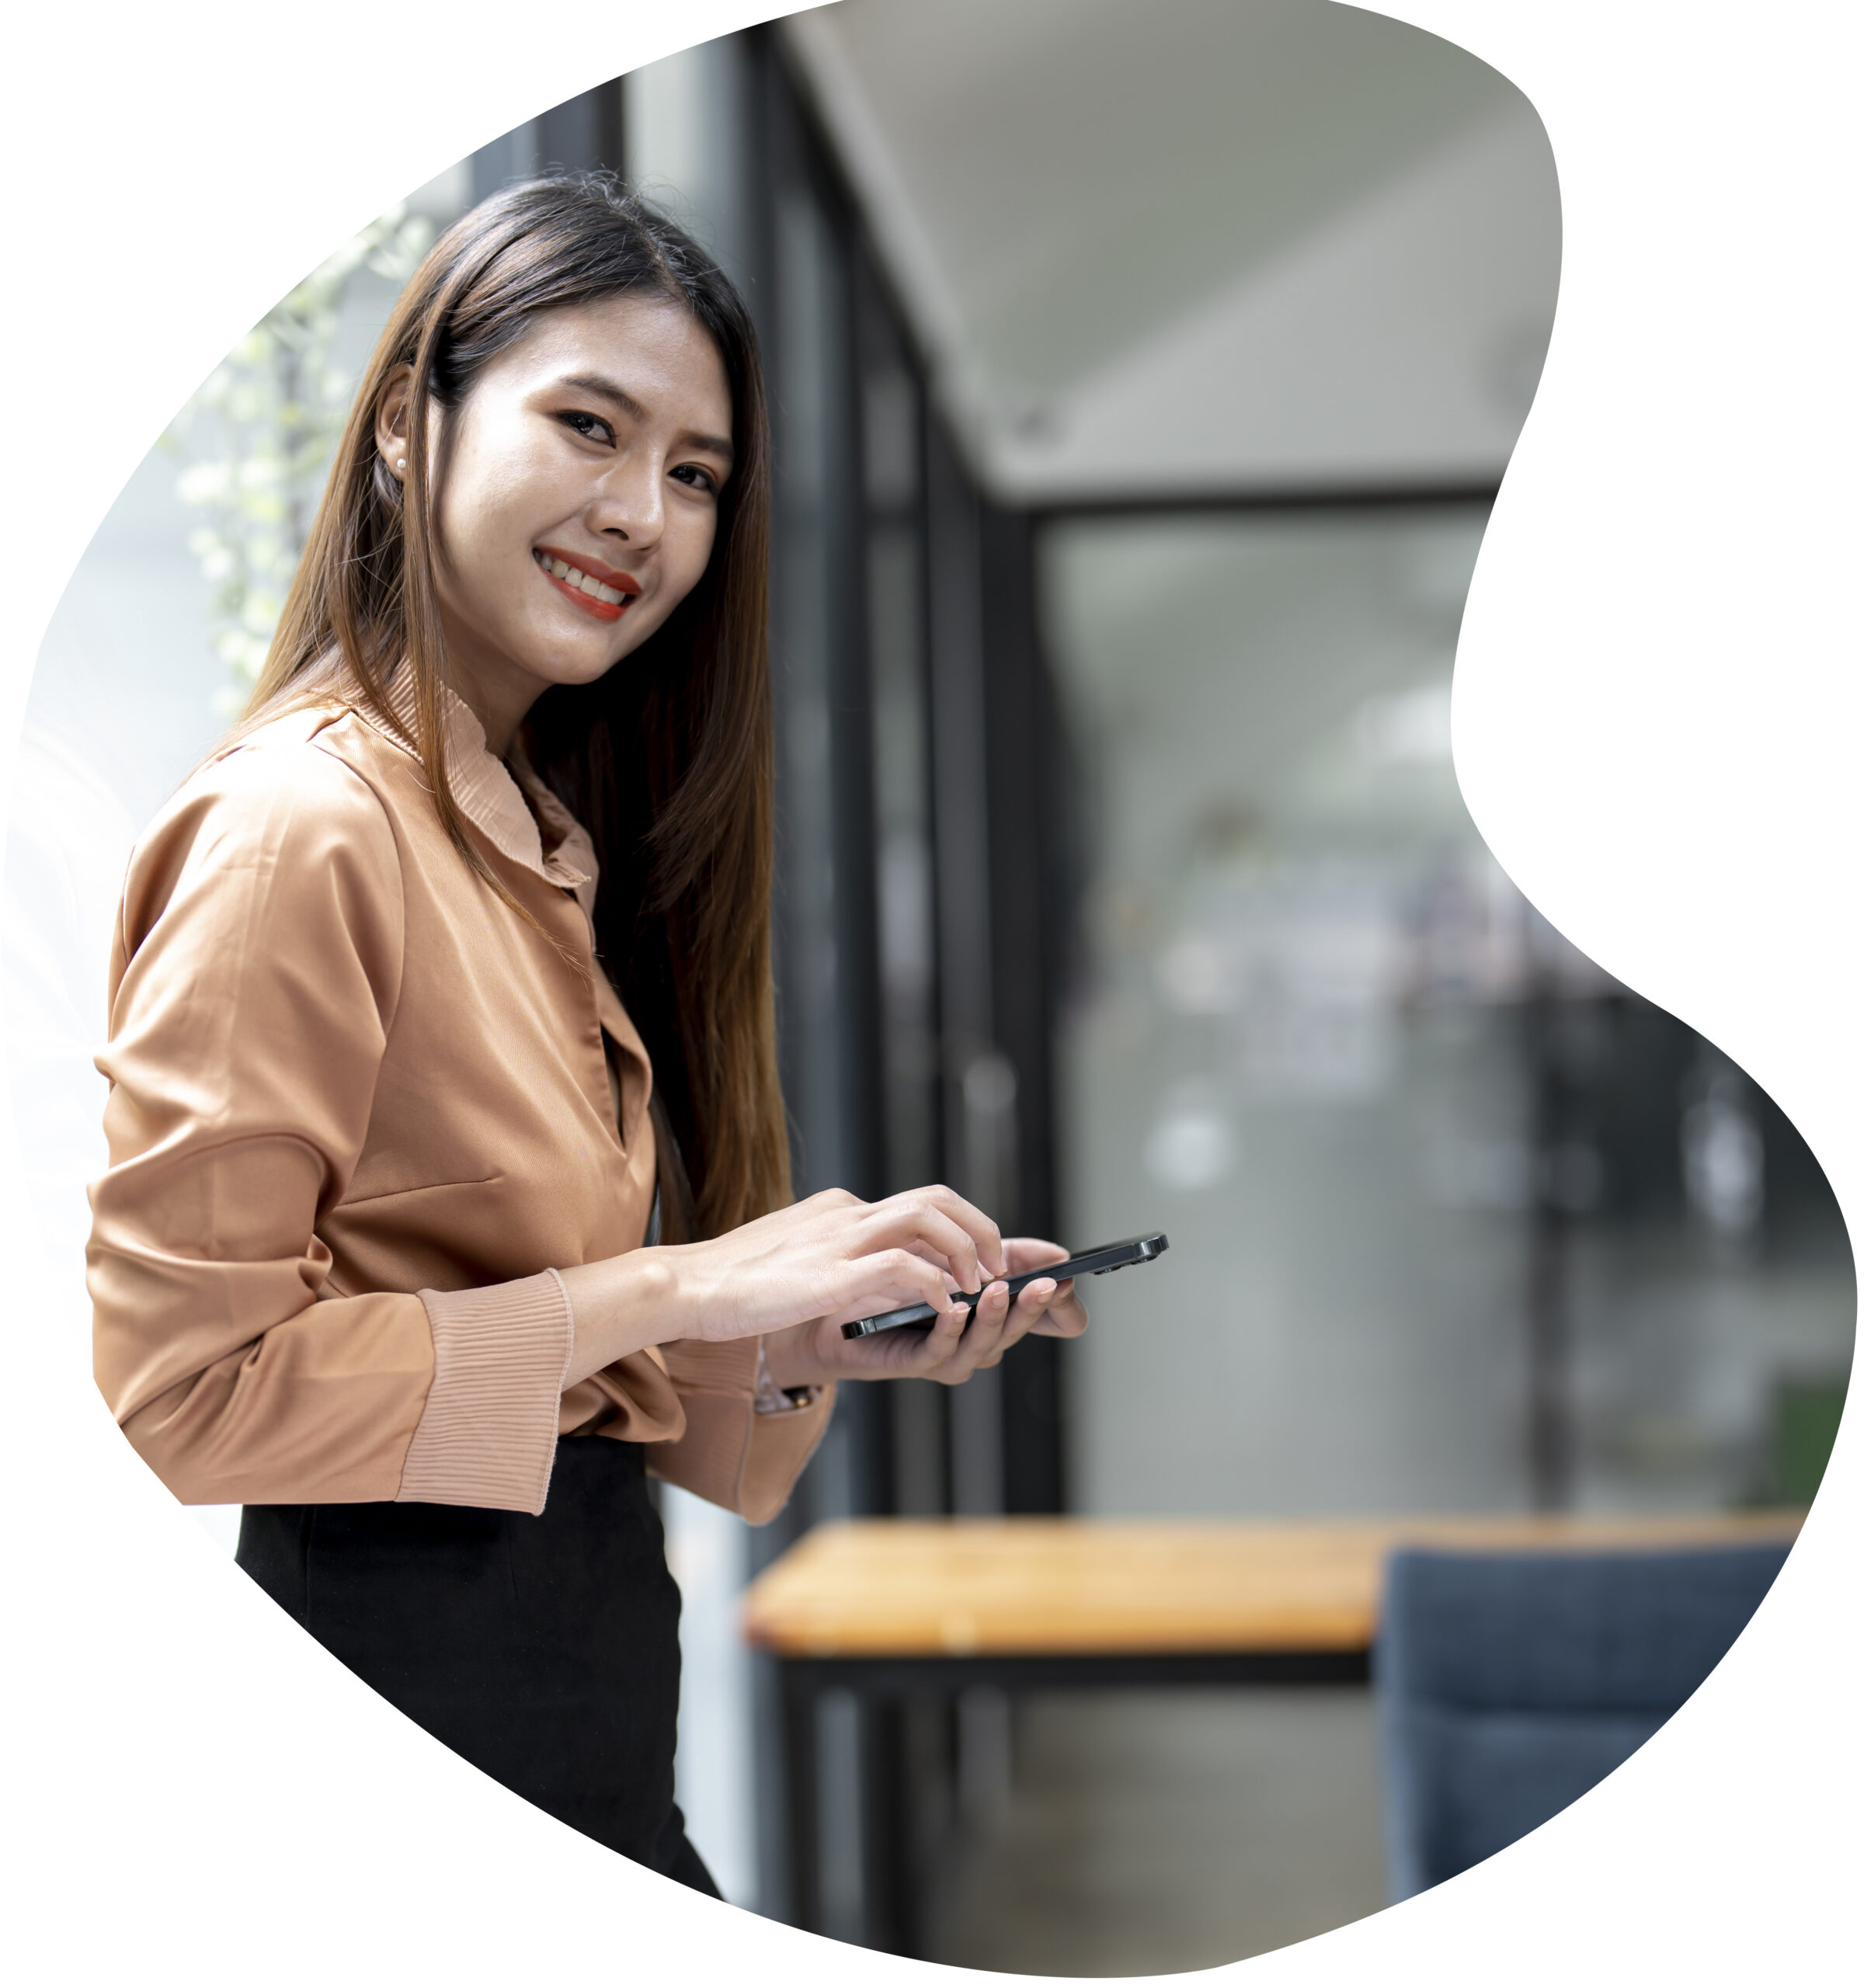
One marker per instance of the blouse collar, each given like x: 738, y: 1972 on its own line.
x: 492, y: 793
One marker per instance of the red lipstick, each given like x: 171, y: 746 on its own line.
x: 625, y: 584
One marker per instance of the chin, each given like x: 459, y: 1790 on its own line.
x: 580, y: 660
x: 566, y: 672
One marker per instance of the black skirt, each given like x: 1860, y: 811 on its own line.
x: 544, y: 1650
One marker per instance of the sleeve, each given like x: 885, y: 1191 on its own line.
x: 254, y: 980
x: 730, y: 1455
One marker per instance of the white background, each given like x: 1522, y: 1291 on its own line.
x: 1657, y: 731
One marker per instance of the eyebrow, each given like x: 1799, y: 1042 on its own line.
x: 608, y: 390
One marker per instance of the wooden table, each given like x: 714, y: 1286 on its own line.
x: 883, y: 1607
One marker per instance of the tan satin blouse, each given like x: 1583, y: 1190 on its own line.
x: 359, y: 1116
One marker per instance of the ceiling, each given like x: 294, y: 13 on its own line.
x: 1174, y: 246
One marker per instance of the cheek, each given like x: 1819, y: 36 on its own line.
x: 685, y: 553
x: 490, y: 501
x: 692, y: 555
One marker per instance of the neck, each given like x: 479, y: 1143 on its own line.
x: 499, y: 712
x: 498, y: 694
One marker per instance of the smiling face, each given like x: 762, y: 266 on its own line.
x: 580, y: 498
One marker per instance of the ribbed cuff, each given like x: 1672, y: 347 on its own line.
x: 488, y: 1435
x: 730, y: 1455
x: 780, y: 1446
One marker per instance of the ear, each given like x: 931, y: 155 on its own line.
x: 391, y: 421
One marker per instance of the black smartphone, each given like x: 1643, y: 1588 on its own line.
x: 1090, y: 1263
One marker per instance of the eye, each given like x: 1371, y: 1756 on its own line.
x: 591, y: 427
x: 699, y: 477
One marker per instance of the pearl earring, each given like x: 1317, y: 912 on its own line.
x: 402, y: 467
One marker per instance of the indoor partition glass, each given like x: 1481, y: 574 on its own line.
x: 1457, y: 1221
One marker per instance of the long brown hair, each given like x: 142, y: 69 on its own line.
x: 667, y: 759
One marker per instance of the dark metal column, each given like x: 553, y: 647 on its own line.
x: 979, y: 1082
x: 1032, y: 922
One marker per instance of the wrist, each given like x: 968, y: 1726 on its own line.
x: 623, y: 1304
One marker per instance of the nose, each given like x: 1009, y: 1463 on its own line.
x: 629, y: 504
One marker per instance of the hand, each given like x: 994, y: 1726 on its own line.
x: 950, y: 1351
x: 823, y: 1260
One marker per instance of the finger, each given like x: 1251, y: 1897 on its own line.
x: 951, y: 1351
x: 896, y: 1354
x: 993, y: 1309
x: 1033, y: 1301
x: 940, y: 1346
x: 985, y: 1239
x: 912, y: 1222
x: 980, y: 1233
x: 889, y: 1280
x: 984, y: 1339
x: 1066, y: 1317
x: 1030, y: 1253
x: 1024, y: 1315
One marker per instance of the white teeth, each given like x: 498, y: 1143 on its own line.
x: 572, y: 576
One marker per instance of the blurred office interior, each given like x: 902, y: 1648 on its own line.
x: 1143, y: 375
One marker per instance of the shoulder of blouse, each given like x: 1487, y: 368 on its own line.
x: 298, y: 802
x: 306, y: 759
x: 322, y: 761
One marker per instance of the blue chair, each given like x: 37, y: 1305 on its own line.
x: 1508, y: 1684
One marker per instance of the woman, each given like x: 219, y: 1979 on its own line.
x: 445, y: 983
